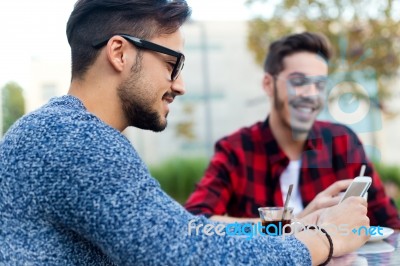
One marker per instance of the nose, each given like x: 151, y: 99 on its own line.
x: 310, y: 90
x: 178, y: 86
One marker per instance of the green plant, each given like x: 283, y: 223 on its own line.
x: 13, y: 104
x: 388, y: 173
x: 178, y: 176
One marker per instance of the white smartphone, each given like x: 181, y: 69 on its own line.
x: 358, y: 187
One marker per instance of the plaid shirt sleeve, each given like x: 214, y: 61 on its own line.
x: 213, y: 192
x: 240, y: 178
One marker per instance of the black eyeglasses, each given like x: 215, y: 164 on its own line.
x: 180, y: 58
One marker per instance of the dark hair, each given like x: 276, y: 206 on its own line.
x: 302, y: 42
x: 98, y: 19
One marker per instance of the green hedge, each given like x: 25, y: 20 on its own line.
x: 178, y: 176
x: 389, y: 173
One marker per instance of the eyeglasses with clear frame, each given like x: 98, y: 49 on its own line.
x: 300, y: 84
x: 143, y: 44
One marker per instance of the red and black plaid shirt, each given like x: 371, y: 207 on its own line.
x: 245, y: 170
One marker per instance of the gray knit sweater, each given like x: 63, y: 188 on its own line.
x: 73, y: 191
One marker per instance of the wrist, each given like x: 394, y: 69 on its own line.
x: 327, y: 242
x: 317, y: 245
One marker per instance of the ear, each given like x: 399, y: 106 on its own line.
x: 268, y: 84
x: 117, y: 53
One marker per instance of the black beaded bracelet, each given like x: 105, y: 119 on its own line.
x: 330, y: 243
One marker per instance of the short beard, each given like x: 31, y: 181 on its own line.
x: 279, y: 105
x: 136, y: 106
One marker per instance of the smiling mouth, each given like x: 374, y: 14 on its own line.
x: 168, y: 97
x: 305, y: 110
x: 169, y: 100
x: 305, y: 105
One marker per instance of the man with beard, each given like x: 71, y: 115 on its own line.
x: 73, y: 191
x: 254, y: 166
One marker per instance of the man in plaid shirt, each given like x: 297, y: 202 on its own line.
x: 254, y: 166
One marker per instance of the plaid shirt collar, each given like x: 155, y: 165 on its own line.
x: 313, y: 142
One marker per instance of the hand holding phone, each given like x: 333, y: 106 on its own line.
x: 358, y: 187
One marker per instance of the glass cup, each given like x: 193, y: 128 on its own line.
x: 274, y: 221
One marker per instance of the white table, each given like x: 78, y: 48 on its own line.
x: 381, y: 253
